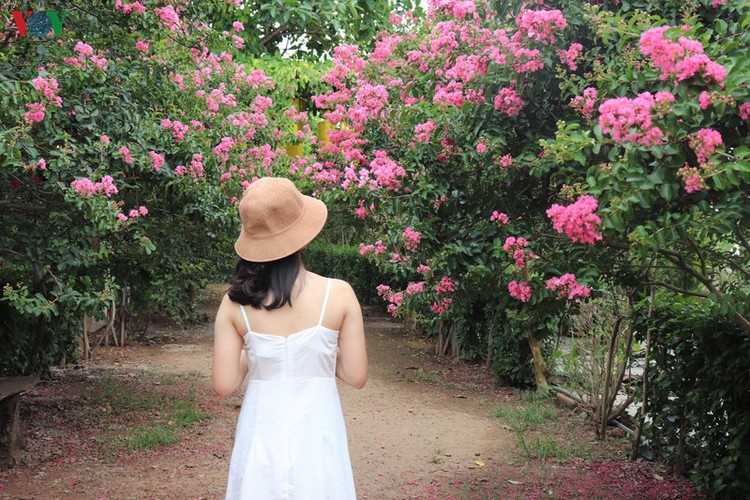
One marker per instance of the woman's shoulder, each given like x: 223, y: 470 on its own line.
x: 338, y: 286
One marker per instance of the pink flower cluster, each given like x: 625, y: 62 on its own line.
x: 141, y: 45
x: 411, y: 238
x: 680, y: 60
x: 568, y: 287
x: 629, y: 120
x: 520, y: 290
x: 377, y: 248
x: 169, y: 17
x: 704, y: 143
x: 423, y: 131
x: 415, y: 288
x: 179, y: 129
x: 396, y: 299
x: 134, y: 214
x: 222, y: 150
x: 441, y: 307
x: 388, y: 173
x: 35, y: 113
x: 693, y: 179
x: 195, y: 169
x: 578, y: 220
x: 509, y: 102
x: 126, y: 156
x: 48, y: 87
x: 539, y: 25
x: 127, y: 8
x: 515, y: 248
x: 499, y: 217
x: 157, y: 159
x: 506, y: 161
x: 84, y: 51
x: 446, y: 285
x: 86, y: 186
x: 585, y: 103
x: 569, y: 56
x: 745, y: 111
x: 362, y: 210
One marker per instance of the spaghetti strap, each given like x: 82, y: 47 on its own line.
x: 325, y: 302
x: 244, y: 315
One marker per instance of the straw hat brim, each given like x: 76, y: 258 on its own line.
x: 290, y: 240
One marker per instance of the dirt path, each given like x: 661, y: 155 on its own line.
x: 400, y: 432
x: 422, y: 428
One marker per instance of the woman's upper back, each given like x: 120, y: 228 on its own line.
x: 307, y: 304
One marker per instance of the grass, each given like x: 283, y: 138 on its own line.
x: 422, y: 375
x: 531, y: 416
x: 168, y: 404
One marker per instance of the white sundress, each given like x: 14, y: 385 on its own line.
x: 291, y: 440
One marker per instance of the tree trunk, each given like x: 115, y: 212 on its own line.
x: 540, y: 367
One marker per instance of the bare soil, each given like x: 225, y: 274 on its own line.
x: 421, y: 428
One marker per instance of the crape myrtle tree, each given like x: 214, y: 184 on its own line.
x: 126, y: 139
x: 510, y: 159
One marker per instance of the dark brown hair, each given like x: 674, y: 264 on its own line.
x: 254, y: 282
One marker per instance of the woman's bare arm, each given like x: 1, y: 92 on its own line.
x: 230, y: 360
x: 351, y: 364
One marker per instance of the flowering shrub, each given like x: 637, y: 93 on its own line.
x: 118, y: 152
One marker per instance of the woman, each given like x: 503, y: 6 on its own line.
x: 294, y: 332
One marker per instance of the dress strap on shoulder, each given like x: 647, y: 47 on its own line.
x: 244, y: 315
x: 325, y: 302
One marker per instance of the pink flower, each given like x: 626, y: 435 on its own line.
x: 745, y: 111
x: 680, y: 60
x: 35, y: 113
x: 411, y: 238
x: 704, y: 143
x: 509, y: 102
x: 585, y: 103
x: 142, y: 210
x: 506, y: 161
x: 377, y: 248
x: 424, y: 130
x: 122, y: 217
x: 578, y: 220
x: 442, y: 306
x: 481, y: 147
x: 142, y: 46
x: 422, y: 269
x: 499, y: 217
x: 569, y: 56
x: 693, y: 179
x: 414, y: 288
x: 126, y: 157
x: 238, y: 26
x: 446, y: 285
x: 133, y: 214
x: 169, y: 17
x: 157, y: 159
x: 629, y: 120
x: 104, y: 139
x: 568, y: 287
x: 539, y: 25
x: 520, y: 290
x: 84, y: 49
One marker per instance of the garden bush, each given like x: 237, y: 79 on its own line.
x: 698, y: 395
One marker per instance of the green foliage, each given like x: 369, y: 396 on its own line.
x: 64, y: 253
x: 306, y: 30
x: 344, y: 262
x: 698, y: 395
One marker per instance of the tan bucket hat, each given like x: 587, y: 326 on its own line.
x: 277, y: 220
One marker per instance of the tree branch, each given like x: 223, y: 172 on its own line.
x: 676, y: 289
